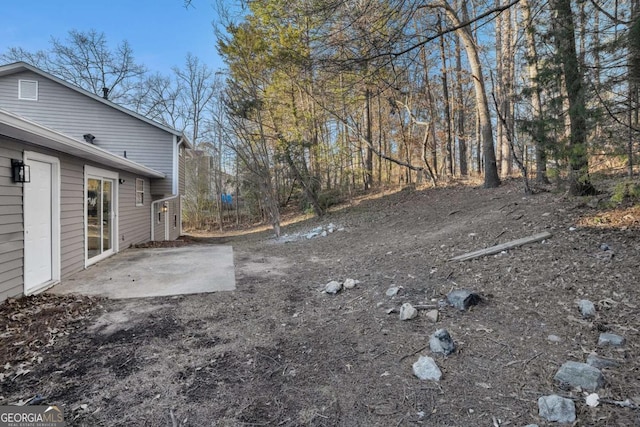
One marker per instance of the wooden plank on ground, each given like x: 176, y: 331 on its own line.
x: 502, y: 247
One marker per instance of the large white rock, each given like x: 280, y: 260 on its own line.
x: 587, y: 308
x: 556, y: 408
x: 333, y: 287
x: 432, y: 315
x: 578, y: 374
x: 426, y: 369
x: 613, y: 340
x: 442, y: 343
x: 408, y: 312
x: 349, y: 283
x: 393, y: 291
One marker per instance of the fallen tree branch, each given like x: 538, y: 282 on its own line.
x: 502, y: 247
x: 622, y: 403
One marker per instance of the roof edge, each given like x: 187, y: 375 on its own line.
x: 93, y: 153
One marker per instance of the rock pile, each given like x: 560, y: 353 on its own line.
x: 333, y: 287
x: 319, y: 231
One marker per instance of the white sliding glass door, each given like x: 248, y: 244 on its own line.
x: 100, y: 213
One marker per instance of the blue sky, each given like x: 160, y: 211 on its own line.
x: 160, y: 32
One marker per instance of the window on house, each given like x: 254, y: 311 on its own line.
x: 139, y: 192
x: 28, y: 90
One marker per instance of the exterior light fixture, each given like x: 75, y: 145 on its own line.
x: 165, y: 207
x: 121, y: 181
x: 88, y: 138
x: 19, y: 171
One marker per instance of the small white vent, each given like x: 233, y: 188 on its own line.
x: 28, y: 89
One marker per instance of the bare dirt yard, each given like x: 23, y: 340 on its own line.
x: 280, y: 352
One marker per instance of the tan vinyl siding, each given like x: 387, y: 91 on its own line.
x: 174, y: 219
x: 11, y: 223
x: 71, y: 214
x: 134, y: 220
x: 159, y: 230
x: 75, y: 114
x: 182, y: 164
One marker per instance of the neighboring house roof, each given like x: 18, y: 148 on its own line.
x: 17, y: 67
x: 23, y: 129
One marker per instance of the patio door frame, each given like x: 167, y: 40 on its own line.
x: 91, y: 172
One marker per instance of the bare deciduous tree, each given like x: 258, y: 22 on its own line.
x: 86, y: 59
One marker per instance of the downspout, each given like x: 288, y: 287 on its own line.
x: 180, y: 195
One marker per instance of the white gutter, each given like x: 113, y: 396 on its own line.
x: 182, y: 141
x: 153, y: 219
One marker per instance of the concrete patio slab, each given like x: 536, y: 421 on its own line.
x: 138, y: 273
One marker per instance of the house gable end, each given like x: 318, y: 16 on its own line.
x: 76, y: 114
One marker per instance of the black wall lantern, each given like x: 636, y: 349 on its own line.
x: 19, y: 171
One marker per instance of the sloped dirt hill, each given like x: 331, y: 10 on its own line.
x: 280, y: 352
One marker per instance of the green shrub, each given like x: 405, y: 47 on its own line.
x: 626, y: 190
x: 328, y: 198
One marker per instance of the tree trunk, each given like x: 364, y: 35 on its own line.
x: 634, y: 79
x: 536, y: 97
x: 460, y: 119
x: 368, y: 161
x: 491, y: 178
x: 433, y: 115
x: 579, y: 181
x: 447, y: 105
x: 499, y: 89
x: 506, y: 167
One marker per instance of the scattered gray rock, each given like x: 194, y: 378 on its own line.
x: 333, y: 287
x: 605, y: 247
x: 442, y: 343
x: 556, y: 408
x: 393, y: 291
x: 554, y: 338
x: 600, y: 362
x: 462, y: 299
x: 426, y: 369
x: 587, y: 309
x: 612, y: 340
x: 408, y: 312
x: 312, y: 234
x: 432, y: 315
x: 578, y: 374
x: 350, y: 283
